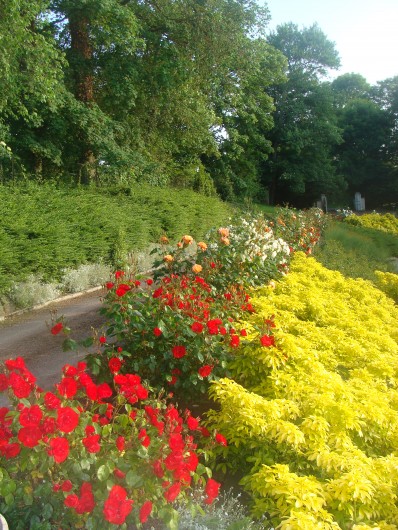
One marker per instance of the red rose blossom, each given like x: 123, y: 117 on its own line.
x: 117, y: 507
x: 29, y: 436
x: 114, y: 364
x: 31, y: 416
x: 220, y: 439
x: 267, y: 340
x: 145, y: 511
x: 205, y: 371
x: 67, y: 419
x: 59, y: 449
x: 197, y: 327
x: 179, y: 351
x: 157, y: 332
x: 172, y: 492
x: 57, y: 328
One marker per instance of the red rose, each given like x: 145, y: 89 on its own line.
x: 114, y: 364
x: 109, y: 285
x: 172, y: 493
x: 51, y: 401
x: 205, y: 371
x: 197, y: 327
x: 234, y: 342
x: 31, y: 416
x: 10, y: 450
x: 59, y: 449
x: 67, y: 419
x: 66, y: 485
x: 158, y: 468
x: 149, y: 281
x: 29, y: 436
x: 176, y: 442
x: 102, y: 339
x: 192, y: 423
x: 157, y: 332
x: 243, y: 333
x: 48, y: 426
x: 267, y: 340
x: 91, y: 443
x: 144, y: 438
x: 118, y: 473
x: 71, y: 501
x: 117, y: 507
x: 220, y: 439
x: 86, y: 501
x: 179, y: 351
x: 57, y: 328
x: 145, y: 511
x: 119, y: 274
x: 3, y: 382
x: 67, y: 387
x: 19, y: 386
x: 120, y: 443
x: 211, y: 490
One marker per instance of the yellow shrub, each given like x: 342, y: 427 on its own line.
x: 319, y: 409
x: 386, y: 223
x: 388, y: 283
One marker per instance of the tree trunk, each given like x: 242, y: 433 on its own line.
x: 82, y: 57
x: 84, y: 87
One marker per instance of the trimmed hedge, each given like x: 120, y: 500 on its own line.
x: 47, y: 228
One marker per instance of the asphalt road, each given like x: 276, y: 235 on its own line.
x: 28, y: 336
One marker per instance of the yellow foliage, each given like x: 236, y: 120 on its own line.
x: 386, y: 223
x: 388, y: 283
x: 313, y: 420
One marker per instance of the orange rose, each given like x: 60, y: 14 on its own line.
x: 187, y: 240
x: 168, y: 258
x: 202, y: 245
x: 225, y: 240
x: 224, y: 232
x: 164, y: 240
x: 197, y: 268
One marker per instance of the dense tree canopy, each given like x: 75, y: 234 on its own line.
x: 192, y: 94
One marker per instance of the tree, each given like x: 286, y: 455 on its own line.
x: 367, y: 123
x: 305, y: 128
x: 31, y: 69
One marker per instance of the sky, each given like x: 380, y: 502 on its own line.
x: 365, y: 32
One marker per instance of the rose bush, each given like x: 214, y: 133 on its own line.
x: 178, y: 334
x: 92, y: 456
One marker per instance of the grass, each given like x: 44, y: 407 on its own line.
x: 357, y: 252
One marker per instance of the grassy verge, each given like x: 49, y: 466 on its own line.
x: 355, y: 251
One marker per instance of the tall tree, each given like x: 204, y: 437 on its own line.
x: 305, y: 129
x: 31, y: 70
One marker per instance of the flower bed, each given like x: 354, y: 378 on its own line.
x: 315, y: 402
x: 114, y: 450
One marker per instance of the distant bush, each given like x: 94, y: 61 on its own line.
x: 384, y: 222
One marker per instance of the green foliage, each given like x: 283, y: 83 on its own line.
x: 305, y: 129
x: 46, y: 229
x: 356, y: 251
x: 314, y: 415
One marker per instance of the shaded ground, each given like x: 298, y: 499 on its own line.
x: 28, y: 336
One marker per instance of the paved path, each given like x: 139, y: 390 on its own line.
x: 28, y: 335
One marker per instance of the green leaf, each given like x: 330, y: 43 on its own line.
x: 69, y: 345
x: 103, y: 472
x: 133, y: 480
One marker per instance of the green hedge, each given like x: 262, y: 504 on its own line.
x: 46, y: 228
